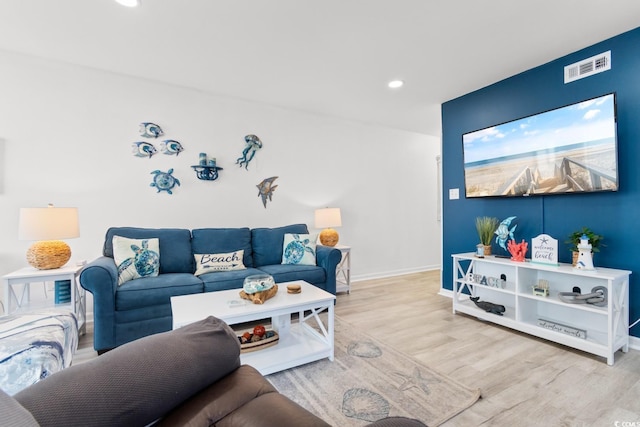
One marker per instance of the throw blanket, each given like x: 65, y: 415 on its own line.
x: 34, y: 346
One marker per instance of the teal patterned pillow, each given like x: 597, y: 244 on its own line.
x: 136, y: 258
x: 299, y: 249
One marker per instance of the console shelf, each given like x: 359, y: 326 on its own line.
x: 598, y: 330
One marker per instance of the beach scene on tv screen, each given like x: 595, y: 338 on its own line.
x: 569, y: 149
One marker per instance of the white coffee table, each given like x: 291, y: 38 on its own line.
x: 299, y: 341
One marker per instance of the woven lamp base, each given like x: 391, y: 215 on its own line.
x: 48, y: 254
x: 329, y: 237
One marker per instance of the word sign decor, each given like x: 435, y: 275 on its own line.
x: 544, y: 250
x: 559, y: 327
x: 493, y: 282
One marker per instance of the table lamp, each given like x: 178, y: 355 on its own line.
x: 47, y: 226
x: 327, y: 218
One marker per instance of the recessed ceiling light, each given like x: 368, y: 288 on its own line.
x: 395, y: 84
x: 129, y: 3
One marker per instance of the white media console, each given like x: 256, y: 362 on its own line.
x: 598, y: 330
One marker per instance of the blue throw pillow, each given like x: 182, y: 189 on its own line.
x: 136, y: 258
x: 267, y: 243
x: 299, y: 249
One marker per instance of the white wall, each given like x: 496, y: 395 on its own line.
x: 68, y: 132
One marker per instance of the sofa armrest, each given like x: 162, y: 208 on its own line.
x: 14, y: 414
x: 138, y: 382
x: 100, y: 277
x: 328, y: 258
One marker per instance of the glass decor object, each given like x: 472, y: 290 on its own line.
x: 258, y: 283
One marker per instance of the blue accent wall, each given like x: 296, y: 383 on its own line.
x: 616, y: 216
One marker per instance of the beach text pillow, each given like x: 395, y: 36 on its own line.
x: 208, y: 263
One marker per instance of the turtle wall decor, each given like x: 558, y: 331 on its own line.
x: 164, y: 181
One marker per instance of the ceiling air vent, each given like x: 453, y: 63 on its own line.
x: 588, y: 67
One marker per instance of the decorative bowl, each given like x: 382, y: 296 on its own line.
x: 258, y: 283
x: 250, y: 343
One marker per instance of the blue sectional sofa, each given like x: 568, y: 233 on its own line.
x: 142, y: 306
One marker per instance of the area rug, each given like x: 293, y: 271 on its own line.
x: 369, y: 380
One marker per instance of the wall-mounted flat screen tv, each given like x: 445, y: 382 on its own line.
x: 571, y: 149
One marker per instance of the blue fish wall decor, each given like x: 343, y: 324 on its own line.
x: 253, y: 144
x: 170, y: 147
x: 143, y: 149
x: 150, y: 130
x: 266, y: 189
x: 503, y: 233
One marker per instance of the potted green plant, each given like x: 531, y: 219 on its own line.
x: 486, y: 226
x: 574, y: 239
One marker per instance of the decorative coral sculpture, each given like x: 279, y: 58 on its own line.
x: 517, y: 250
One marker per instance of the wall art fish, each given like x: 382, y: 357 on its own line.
x: 143, y: 149
x: 253, y: 145
x: 171, y: 146
x: 150, y: 130
x: 266, y: 189
x: 503, y: 233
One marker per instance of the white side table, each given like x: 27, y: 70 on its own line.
x: 343, y: 270
x: 16, y: 297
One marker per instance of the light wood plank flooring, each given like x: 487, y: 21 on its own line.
x: 525, y: 381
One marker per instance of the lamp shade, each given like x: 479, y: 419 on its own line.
x: 48, y: 223
x: 47, y: 226
x: 328, y: 217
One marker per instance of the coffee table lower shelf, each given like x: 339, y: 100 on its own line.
x: 293, y: 349
x: 307, y: 338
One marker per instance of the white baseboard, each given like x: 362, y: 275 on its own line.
x: 402, y: 272
x: 446, y: 293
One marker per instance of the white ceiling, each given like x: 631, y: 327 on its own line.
x: 331, y: 57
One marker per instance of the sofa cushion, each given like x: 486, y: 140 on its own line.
x: 220, y: 240
x: 13, y: 414
x: 143, y: 379
x: 236, y: 400
x: 288, y: 273
x: 299, y: 249
x: 150, y: 291
x: 175, y: 246
x: 209, y: 263
x: 136, y: 258
x: 267, y: 243
x: 225, y: 280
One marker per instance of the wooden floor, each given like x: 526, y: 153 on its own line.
x: 525, y: 381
